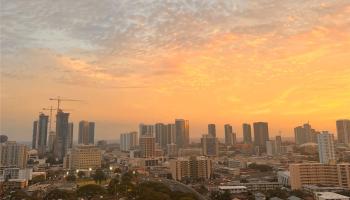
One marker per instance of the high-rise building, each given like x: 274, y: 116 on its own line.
x: 35, y: 135
x: 13, y: 154
x: 70, y: 135
x: 170, y: 133
x: 229, y: 135
x: 210, y: 145
x: 42, y: 134
x: 212, y: 130
x: 3, y: 138
x: 164, y: 134
x: 261, y: 135
x: 91, y: 132
x: 182, y: 133
x: 278, y: 144
x: 271, y: 147
x: 62, y: 131
x: 147, y: 146
x: 247, y: 134
x: 343, y: 131
x: 171, y: 150
x: 146, y: 130
x: 193, y: 168
x: 319, y: 174
x: 234, y: 138
x: 161, y: 134
x: 52, y: 139
x: 128, y: 141
x: 326, y: 147
x: 304, y: 134
x: 86, y: 132
x: 83, y: 157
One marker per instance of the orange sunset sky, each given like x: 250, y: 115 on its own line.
x: 284, y: 62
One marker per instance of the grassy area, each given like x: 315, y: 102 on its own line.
x: 81, y: 182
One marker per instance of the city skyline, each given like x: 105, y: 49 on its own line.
x: 175, y: 99
x: 206, y: 62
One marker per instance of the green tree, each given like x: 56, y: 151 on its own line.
x: 216, y: 195
x: 117, y: 170
x: 90, y: 191
x: 71, y: 177
x: 57, y: 194
x: 187, y: 198
x: 149, y: 194
x: 38, y: 179
x: 260, y: 167
x: 81, y: 174
x: 299, y: 193
x: 277, y: 193
x: 99, y: 176
x: 17, y: 194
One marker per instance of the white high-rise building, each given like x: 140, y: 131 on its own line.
x: 13, y: 154
x: 146, y: 130
x: 128, y: 141
x: 271, y: 147
x: 326, y: 147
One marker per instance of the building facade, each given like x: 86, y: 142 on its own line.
x: 62, y: 132
x: 212, y: 130
x: 326, y: 149
x: 86, y: 132
x: 128, y: 141
x: 343, y: 131
x: 261, y: 135
x: 83, y: 157
x: 182, y: 133
x: 146, y: 130
x: 70, y: 135
x: 230, y: 137
x: 319, y: 174
x: 305, y: 134
x: 42, y: 133
x: 247, y: 133
x: 147, y: 146
x: 13, y: 154
x: 193, y: 168
x: 210, y: 145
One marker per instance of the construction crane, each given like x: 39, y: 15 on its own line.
x: 59, y: 99
x: 51, y: 109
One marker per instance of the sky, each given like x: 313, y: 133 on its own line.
x: 148, y: 61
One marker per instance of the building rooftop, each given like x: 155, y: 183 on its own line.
x: 230, y: 187
x: 330, y: 195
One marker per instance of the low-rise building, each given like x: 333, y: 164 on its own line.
x: 83, y: 157
x: 318, y: 173
x: 233, y: 189
x: 330, y: 196
x: 15, y: 173
x: 284, y: 178
x: 194, y: 168
x: 262, y: 186
x: 14, y: 184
